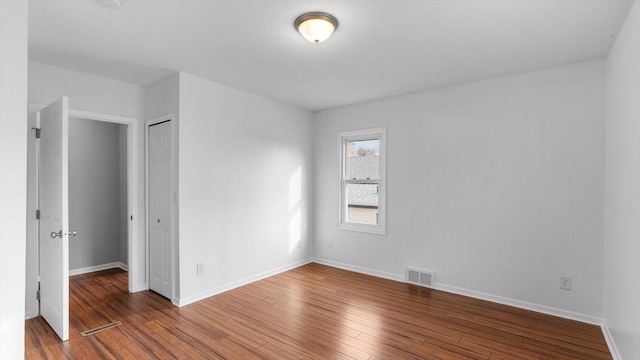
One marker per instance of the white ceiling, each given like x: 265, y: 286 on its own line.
x: 381, y: 48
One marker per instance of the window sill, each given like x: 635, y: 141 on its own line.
x: 364, y: 228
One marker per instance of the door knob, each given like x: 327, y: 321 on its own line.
x: 56, y: 234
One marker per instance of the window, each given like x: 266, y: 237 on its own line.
x: 362, y: 175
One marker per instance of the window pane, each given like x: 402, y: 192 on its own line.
x: 363, y: 159
x: 362, y: 203
x: 362, y: 181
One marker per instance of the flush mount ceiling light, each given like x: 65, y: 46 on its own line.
x: 316, y: 26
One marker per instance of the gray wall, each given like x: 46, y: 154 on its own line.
x: 95, y: 201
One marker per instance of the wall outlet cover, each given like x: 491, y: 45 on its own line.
x: 565, y: 282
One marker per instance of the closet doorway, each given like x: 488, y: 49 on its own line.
x: 98, y: 196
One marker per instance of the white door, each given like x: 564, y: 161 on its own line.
x: 160, y: 265
x: 54, y: 217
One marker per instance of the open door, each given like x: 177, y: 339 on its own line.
x: 54, y: 217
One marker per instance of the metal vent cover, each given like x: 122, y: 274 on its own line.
x: 100, y: 328
x: 420, y: 277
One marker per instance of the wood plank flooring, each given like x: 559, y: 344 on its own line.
x: 312, y: 312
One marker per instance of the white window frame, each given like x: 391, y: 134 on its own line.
x: 343, y: 139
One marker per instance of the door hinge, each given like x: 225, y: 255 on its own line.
x: 38, y: 295
x: 37, y: 132
x: 37, y: 214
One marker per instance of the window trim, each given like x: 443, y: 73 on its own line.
x: 343, y: 139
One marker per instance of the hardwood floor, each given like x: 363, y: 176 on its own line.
x: 312, y: 312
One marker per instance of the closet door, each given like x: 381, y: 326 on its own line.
x: 160, y: 254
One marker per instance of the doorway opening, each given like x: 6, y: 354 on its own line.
x: 97, y: 196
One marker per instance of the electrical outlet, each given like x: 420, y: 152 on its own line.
x: 200, y: 268
x: 565, y: 282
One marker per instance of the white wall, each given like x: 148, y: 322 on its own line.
x: 245, y: 186
x: 162, y: 97
x: 13, y: 175
x: 96, y: 94
x: 95, y: 196
x: 85, y: 91
x: 622, y: 210
x: 495, y: 185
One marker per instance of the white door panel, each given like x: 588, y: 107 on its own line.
x: 160, y: 264
x: 54, y: 217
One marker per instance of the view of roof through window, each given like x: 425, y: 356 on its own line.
x: 363, y: 164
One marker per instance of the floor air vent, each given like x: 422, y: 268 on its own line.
x: 100, y: 328
x: 421, y: 277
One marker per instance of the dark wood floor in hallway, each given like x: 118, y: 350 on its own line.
x: 312, y: 312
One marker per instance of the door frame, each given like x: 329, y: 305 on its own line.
x: 133, y: 256
x: 173, y: 186
x: 32, y: 274
x: 132, y: 185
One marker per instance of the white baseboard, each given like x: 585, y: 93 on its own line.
x: 95, y: 268
x: 608, y: 337
x: 359, y: 269
x: 232, y: 285
x: 594, y: 320
x: 140, y: 287
x: 30, y: 315
x: 474, y: 294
